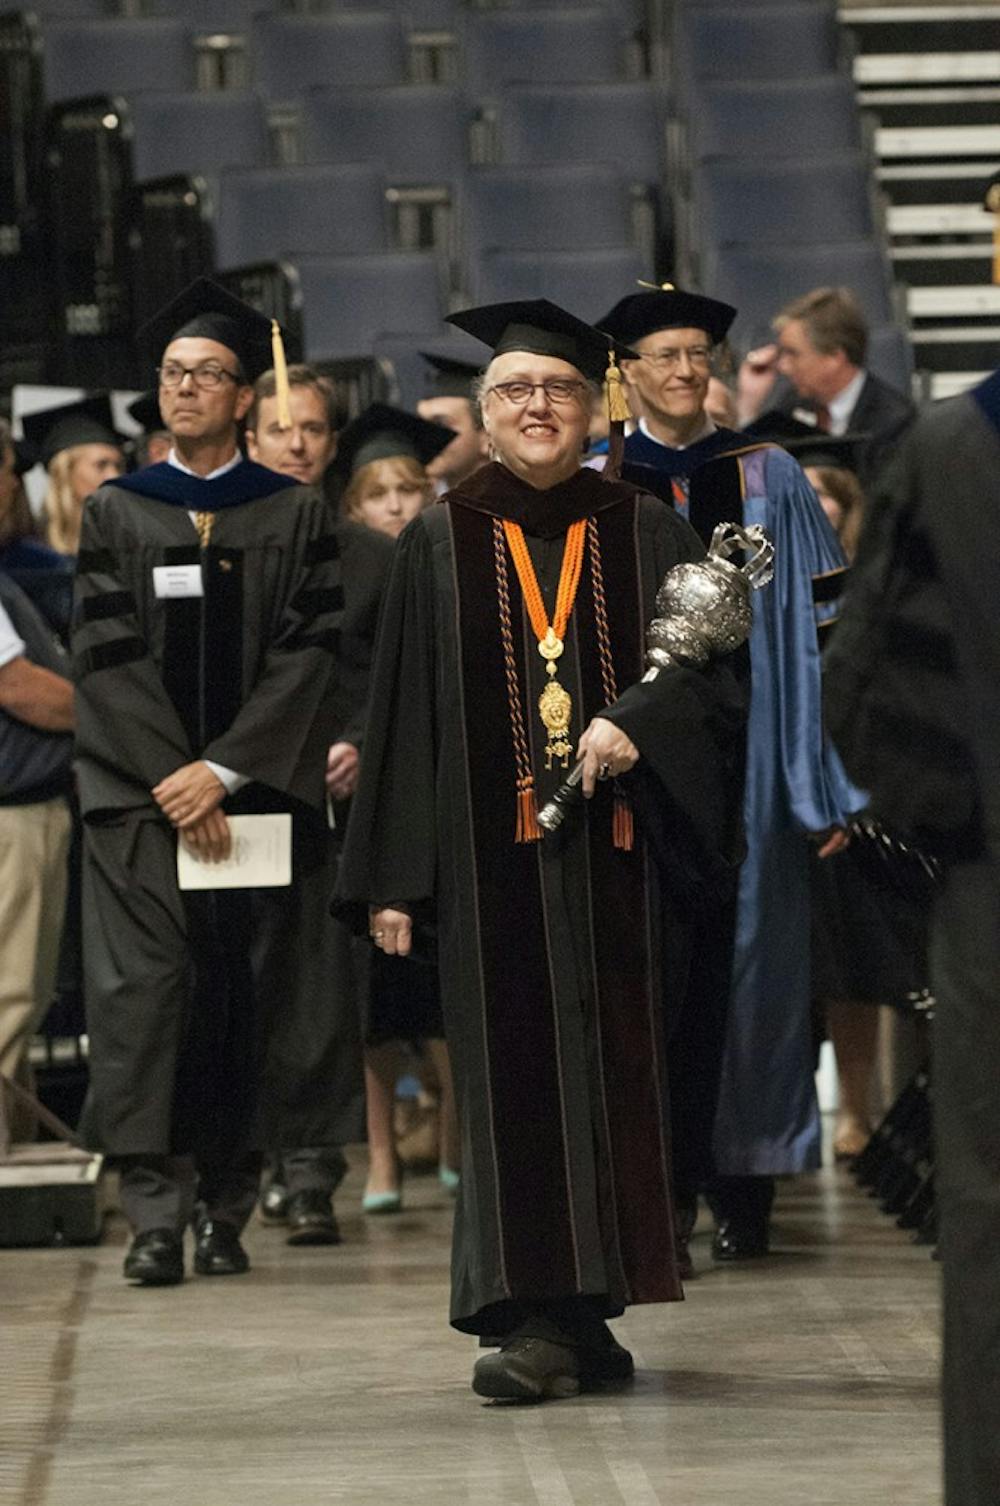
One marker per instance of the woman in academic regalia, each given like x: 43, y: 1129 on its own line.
x: 511, y: 639
x: 80, y: 451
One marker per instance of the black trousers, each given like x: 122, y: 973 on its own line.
x: 965, y: 973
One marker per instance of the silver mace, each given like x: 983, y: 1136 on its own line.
x: 703, y: 609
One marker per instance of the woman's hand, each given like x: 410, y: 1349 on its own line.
x: 606, y: 751
x: 391, y: 930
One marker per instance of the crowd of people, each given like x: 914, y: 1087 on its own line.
x: 380, y: 646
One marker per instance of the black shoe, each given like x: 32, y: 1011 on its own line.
x: 528, y: 1369
x: 155, y: 1258
x: 273, y: 1205
x: 741, y: 1239
x: 217, y: 1250
x: 310, y: 1219
x: 605, y: 1364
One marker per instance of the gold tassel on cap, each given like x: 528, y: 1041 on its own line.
x: 614, y: 390
x: 280, y: 376
x: 991, y: 203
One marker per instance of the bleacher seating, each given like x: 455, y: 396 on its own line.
x: 329, y: 208
x: 583, y: 44
x: 589, y: 282
x: 759, y: 279
x: 348, y: 301
x: 416, y: 133
x: 623, y: 123
x: 814, y: 198
x: 117, y: 55
x: 197, y: 132
x: 346, y: 49
x: 794, y: 39
x: 751, y: 118
x: 545, y: 208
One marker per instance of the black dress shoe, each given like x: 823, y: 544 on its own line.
x: 741, y: 1239
x: 607, y: 1363
x: 273, y: 1205
x: 155, y: 1258
x: 310, y: 1219
x: 527, y: 1369
x: 217, y: 1250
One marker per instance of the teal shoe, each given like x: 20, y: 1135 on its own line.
x: 449, y: 1179
x: 382, y: 1202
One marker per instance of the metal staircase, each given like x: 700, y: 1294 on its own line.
x: 929, y: 76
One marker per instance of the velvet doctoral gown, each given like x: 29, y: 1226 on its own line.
x: 768, y: 1117
x: 554, y: 954
x: 194, y: 999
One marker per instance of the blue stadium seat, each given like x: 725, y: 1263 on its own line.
x: 585, y: 282
x: 619, y: 123
x: 761, y: 119
x: 349, y: 50
x: 410, y: 371
x: 789, y: 40
x: 417, y: 133
x: 890, y: 355
x: 807, y: 199
x: 215, y: 15
x: 116, y: 56
x: 545, y: 208
x: 760, y: 279
x: 330, y: 209
x: 197, y: 133
x: 541, y: 45
x: 348, y: 301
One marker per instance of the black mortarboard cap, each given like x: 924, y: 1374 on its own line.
x: 382, y: 432
x: 206, y: 310
x: 145, y: 409
x: 88, y: 421
x: 809, y: 445
x: 542, y: 329
x: 450, y: 375
x: 641, y: 314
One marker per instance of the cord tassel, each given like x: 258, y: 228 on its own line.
x: 280, y: 376
x: 527, y: 829
x: 622, y: 823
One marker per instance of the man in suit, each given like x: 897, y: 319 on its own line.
x: 822, y: 346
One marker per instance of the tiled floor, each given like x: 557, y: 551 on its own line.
x: 331, y: 1376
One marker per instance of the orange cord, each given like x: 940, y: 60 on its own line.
x: 569, y: 578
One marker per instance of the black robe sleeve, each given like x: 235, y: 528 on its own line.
x: 281, y: 733
x: 690, y: 729
x: 366, y: 560
x: 114, y: 670
x: 390, y: 848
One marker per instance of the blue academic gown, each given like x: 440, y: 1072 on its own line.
x: 768, y: 1117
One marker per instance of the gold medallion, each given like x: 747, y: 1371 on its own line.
x: 550, y: 647
x: 555, y: 706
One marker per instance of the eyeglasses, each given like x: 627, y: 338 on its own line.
x: 209, y: 377
x: 557, y: 391
x: 700, y: 357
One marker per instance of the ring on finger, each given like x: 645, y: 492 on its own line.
x: 605, y: 771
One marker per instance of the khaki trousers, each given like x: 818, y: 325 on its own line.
x: 34, y: 848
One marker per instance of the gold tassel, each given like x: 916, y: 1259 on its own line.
x: 527, y: 829
x: 280, y: 376
x: 991, y: 204
x: 622, y: 823
x: 614, y: 387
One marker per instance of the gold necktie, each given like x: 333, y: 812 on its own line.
x: 203, y: 523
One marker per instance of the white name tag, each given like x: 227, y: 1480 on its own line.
x: 177, y: 580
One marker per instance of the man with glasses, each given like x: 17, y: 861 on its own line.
x: 207, y: 610
x: 743, y: 1099
x: 510, y: 643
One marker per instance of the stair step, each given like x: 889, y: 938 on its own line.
x: 926, y: 67
x: 938, y: 141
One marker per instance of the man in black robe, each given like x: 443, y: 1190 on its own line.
x: 554, y: 953
x: 331, y: 976
x: 913, y: 702
x: 208, y: 602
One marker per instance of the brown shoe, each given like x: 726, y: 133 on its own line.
x: 528, y: 1370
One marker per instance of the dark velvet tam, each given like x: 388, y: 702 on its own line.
x: 382, y: 432
x: 540, y: 328
x: 645, y: 313
x: 51, y: 430
x: 208, y: 311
